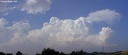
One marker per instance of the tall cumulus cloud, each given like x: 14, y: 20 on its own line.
x: 58, y: 34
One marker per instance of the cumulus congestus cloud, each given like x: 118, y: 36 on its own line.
x: 58, y: 34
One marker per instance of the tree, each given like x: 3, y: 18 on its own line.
x: 73, y: 53
x: 1, y: 53
x: 9, y: 54
x: 77, y: 52
x: 95, y: 53
x: 49, y: 51
x: 61, y: 53
x: 19, y: 53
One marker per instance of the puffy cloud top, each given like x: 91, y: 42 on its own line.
x: 3, y: 22
x: 59, y: 34
x: 36, y: 6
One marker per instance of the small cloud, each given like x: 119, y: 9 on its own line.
x: 3, y: 22
x: 30, y: 6
x: 106, y: 15
x: 6, y: 5
x: 36, y: 6
x: 6, y: 13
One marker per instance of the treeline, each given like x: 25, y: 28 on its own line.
x: 1, y: 53
x: 18, y: 53
x: 49, y: 51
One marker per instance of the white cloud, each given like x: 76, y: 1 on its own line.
x: 100, y: 38
x: 20, y: 26
x: 30, y: 6
x: 3, y: 22
x: 59, y: 34
x: 106, y: 15
x: 36, y: 6
x: 5, y: 5
x: 4, y: 32
x: 104, y: 33
x: 13, y: 36
x: 6, y: 13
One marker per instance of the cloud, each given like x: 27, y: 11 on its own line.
x: 63, y: 35
x: 3, y: 22
x: 18, y: 28
x: 3, y: 31
x: 36, y: 6
x: 30, y: 6
x: 5, y: 5
x: 6, y: 13
x: 101, y: 37
x: 106, y: 15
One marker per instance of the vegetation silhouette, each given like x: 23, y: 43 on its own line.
x: 77, y: 52
x: 49, y: 51
x: 1, y: 53
x: 19, y: 53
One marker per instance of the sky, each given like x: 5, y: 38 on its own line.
x: 30, y: 26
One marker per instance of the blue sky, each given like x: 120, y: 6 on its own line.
x: 61, y: 24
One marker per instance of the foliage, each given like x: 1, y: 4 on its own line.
x: 19, y: 53
x: 49, y: 51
